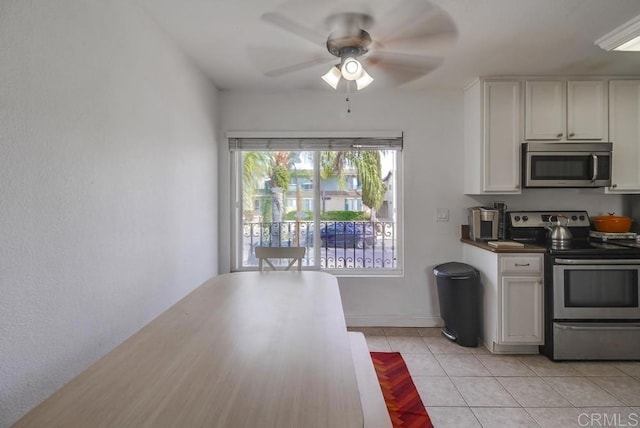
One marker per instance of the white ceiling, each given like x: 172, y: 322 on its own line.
x: 495, y: 38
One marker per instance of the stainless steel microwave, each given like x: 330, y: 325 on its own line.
x: 566, y: 164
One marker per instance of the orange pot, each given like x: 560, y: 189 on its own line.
x: 612, y: 223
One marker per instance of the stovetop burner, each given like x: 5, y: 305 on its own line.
x: 605, y: 236
x: 588, y: 247
x: 531, y: 227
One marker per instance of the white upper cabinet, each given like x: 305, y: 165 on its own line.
x: 624, y: 130
x: 587, y: 110
x: 561, y: 110
x: 545, y: 107
x: 493, y: 133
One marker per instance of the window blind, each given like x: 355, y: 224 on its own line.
x: 315, y: 143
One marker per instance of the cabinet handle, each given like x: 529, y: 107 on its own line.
x: 522, y: 264
x: 573, y: 134
x: 559, y: 135
x: 613, y: 186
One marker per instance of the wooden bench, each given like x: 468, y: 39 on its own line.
x: 374, y: 408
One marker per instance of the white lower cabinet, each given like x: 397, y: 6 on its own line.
x: 520, y: 317
x: 512, y: 312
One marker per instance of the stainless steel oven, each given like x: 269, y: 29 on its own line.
x: 596, y: 308
x: 594, y: 340
x: 593, y: 289
x: 566, y: 164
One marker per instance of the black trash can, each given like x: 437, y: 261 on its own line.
x: 458, y: 292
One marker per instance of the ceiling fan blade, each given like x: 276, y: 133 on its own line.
x: 404, y: 61
x: 287, y: 24
x: 401, y: 16
x: 296, y: 67
x: 416, y: 23
x: 433, y: 33
x: 398, y: 68
x: 275, y: 62
x: 391, y: 77
x: 433, y: 43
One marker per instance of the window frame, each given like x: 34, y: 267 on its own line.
x: 236, y: 235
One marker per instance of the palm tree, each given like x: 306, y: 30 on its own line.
x: 367, y: 163
x: 280, y: 178
x: 255, y: 167
x: 368, y: 166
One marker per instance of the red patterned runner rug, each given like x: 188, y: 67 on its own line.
x: 402, y: 398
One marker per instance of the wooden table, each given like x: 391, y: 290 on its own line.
x: 246, y: 349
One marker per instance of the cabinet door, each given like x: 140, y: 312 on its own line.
x: 545, y: 108
x: 501, y: 137
x: 586, y: 110
x: 521, y: 313
x: 624, y: 130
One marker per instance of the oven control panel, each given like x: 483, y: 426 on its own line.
x: 545, y: 218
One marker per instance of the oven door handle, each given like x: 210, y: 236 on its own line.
x: 633, y: 326
x: 594, y: 177
x: 597, y: 262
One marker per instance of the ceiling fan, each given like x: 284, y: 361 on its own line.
x: 365, y: 35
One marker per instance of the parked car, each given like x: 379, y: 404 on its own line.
x: 345, y: 234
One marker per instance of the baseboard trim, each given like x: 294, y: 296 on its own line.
x: 514, y: 349
x: 382, y: 321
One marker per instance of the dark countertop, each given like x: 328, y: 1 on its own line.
x: 526, y: 249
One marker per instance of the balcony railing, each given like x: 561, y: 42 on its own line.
x: 342, y: 245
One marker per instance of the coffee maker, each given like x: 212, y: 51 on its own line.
x: 502, y: 212
x: 483, y: 223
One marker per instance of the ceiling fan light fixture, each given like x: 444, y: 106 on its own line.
x: 351, y: 69
x: 332, y: 77
x: 364, y: 80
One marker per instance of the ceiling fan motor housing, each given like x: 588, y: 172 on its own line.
x: 354, y: 45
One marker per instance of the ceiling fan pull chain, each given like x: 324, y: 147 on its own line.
x: 348, y: 105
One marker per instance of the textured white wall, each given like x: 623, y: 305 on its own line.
x: 432, y: 122
x: 108, y: 186
x: 432, y: 177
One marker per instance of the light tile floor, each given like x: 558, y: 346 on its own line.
x: 469, y: 387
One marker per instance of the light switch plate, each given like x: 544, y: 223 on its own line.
x: 442, y: 214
